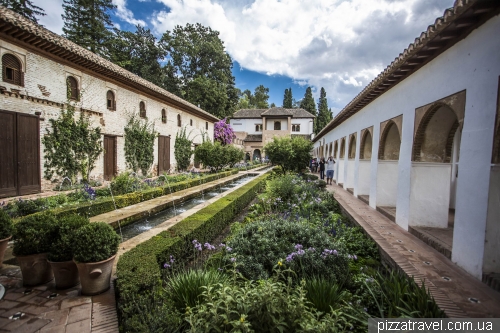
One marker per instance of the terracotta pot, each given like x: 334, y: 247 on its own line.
x: 3, y: 247
x: 35, y: 269
x: 95, y: 277
x: 66, y: 274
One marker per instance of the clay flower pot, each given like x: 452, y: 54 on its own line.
x: 65, y: 273
x: 95, y: 277
x: 35, y: 268
x: 3, y: 246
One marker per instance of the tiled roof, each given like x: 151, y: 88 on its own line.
x: 301, y: 113
x: 31, y: 35
x: 455, y: 24
x: 277, y: 112
x: 248, y: 113
x: 257, y: 113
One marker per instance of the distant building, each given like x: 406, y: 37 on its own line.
x: 256, y: 127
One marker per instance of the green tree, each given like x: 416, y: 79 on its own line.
x: 88, y: 23
x: 140, y: 53
x: 216, y: 155
x: 25, y: 8
x: 289, y: 153
x: 71, y: 146
x: 324, y: 114
x: 182, y: 149
x: 139, y: 144
x: 261, y: 96
x: 201, y: 68
x: 288, y: 99
x: 272, y: 105
x: 308, y: 103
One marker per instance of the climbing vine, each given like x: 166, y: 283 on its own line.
x: 72, y: 146
x: 139, y: 143
x: 182, y: 149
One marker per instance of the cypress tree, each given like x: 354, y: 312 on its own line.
x: 25, y: 8
x: 324, y: 115
x: 87, y: 23
x: 308, y: 103
x: 288, y: 99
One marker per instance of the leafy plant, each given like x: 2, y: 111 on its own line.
x: 73, y: 146
x: 182, y: 149
x: 95, y: 242
x: 139, y: 143
x: 216, y: 155
x: 62, y: 245
x: 325, y: 295
x: 33, y: 234
x: 6, y: 226
x: 185, y: 289
x: 289, y: 153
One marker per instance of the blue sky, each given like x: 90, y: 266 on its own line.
x: 340, y: 45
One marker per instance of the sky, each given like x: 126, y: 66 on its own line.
x: 340, y: 45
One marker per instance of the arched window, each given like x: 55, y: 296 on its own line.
x: 277, y: 126
x: 163, y: 116
x: 72, y: 86
x: 110, y: 100
x: 179, y: 122
x: 258, y: 127
x: 190, y: 122
x: 206, y: 125
x: 142, y: 109
x: 11, y: 70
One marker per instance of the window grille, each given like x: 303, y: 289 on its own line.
x: 206, y: 125
x: 72, y: 86
x: 142, y: 109
x: 11, y: 70
x: 179, y: 122
x: 110, y: 100
x: 163, y: 116
x: 277, y: 126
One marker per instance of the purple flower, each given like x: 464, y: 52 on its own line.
x: 172, y: 259
x: 298, y: 247
x: 233, y: 259
x: 228, y: 249
x: 223, y: 132
x: 209, y: 246
x: 165, y: 265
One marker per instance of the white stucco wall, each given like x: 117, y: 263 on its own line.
x: 306, y: 125
x: 387, y: 191
x: 364, y: 177
x: 430, y: 194
x: 340, y: 171
x: 283, y: 122
x: 492, y: 242
x: 469, y: 65
x: 245, y: 125
x: 350, y: 174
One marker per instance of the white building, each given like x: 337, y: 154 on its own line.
x: 256, y: 127
x: 421, y: 142
x: 38, y: 69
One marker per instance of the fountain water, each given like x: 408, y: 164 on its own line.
x: 170, y: 189
x: 114, y: 204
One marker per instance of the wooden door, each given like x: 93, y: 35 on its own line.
x: 163, y: 154
x: 109, y: 157
x: 20, y: 154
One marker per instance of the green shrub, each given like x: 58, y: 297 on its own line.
x: 27, y: 207
x: 33, y: 234
x: 6, y: 226
x: 356, y: 242
x: 325, y: 295
x: 284, y: 187
x: 185, y: 289
x: 95, y: 242
x: 62, y: 246
x: 259, y: 246
x: 321, y: 184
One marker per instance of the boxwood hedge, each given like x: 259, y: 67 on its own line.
x: 139, y: 269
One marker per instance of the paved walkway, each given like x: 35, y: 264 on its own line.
x: 455, y: 291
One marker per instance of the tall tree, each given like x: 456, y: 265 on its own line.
x: 140, y: 53
x: 308, y: 102
x: 25, y: 8
x: 288, y: 99
x: 324, y: 115
x: 261, y: 96
x: 87, y: 23
x: 202, y: 68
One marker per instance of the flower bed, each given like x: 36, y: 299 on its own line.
x: 93, y: 208
x: 139, y: 270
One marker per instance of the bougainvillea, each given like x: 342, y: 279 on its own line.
x: 223, y: 132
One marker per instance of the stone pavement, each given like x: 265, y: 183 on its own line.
x: 456, y: 292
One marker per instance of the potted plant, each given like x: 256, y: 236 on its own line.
x: 6, y: 228
x: 94, y: 249
x: 60, y: 255
x: 33, y: 235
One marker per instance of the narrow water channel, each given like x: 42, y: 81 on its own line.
x: 143, y: 225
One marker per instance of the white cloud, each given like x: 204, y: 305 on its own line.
x: 53, y: 20
x: 339, y: 45
x: 126, y: 14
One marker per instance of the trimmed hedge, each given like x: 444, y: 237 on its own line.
x: 107, y: 205
x: 138, y: 270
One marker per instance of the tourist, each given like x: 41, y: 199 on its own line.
x: 329, y: 170
x: 322, y: 168
x: 314, y: 165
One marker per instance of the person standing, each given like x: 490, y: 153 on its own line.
x: 329, y: 170
x: 322, y: 168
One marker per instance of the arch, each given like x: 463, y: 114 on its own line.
x: 12, y: 71
x: 277, y: 125
x: 247, y: 156
x: 365, y: 150
x: 179, y: 120
x: 330, y: 150
x: 390, y: 142
x: 335, y: 148
x: 434, y: 137
x: 342, y: 147
x: 256, y: 154
x: 352, y: 147
x: 142, y: 109
x: 110, y: 100
x: 72, y: 88
x: 163, y: 116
